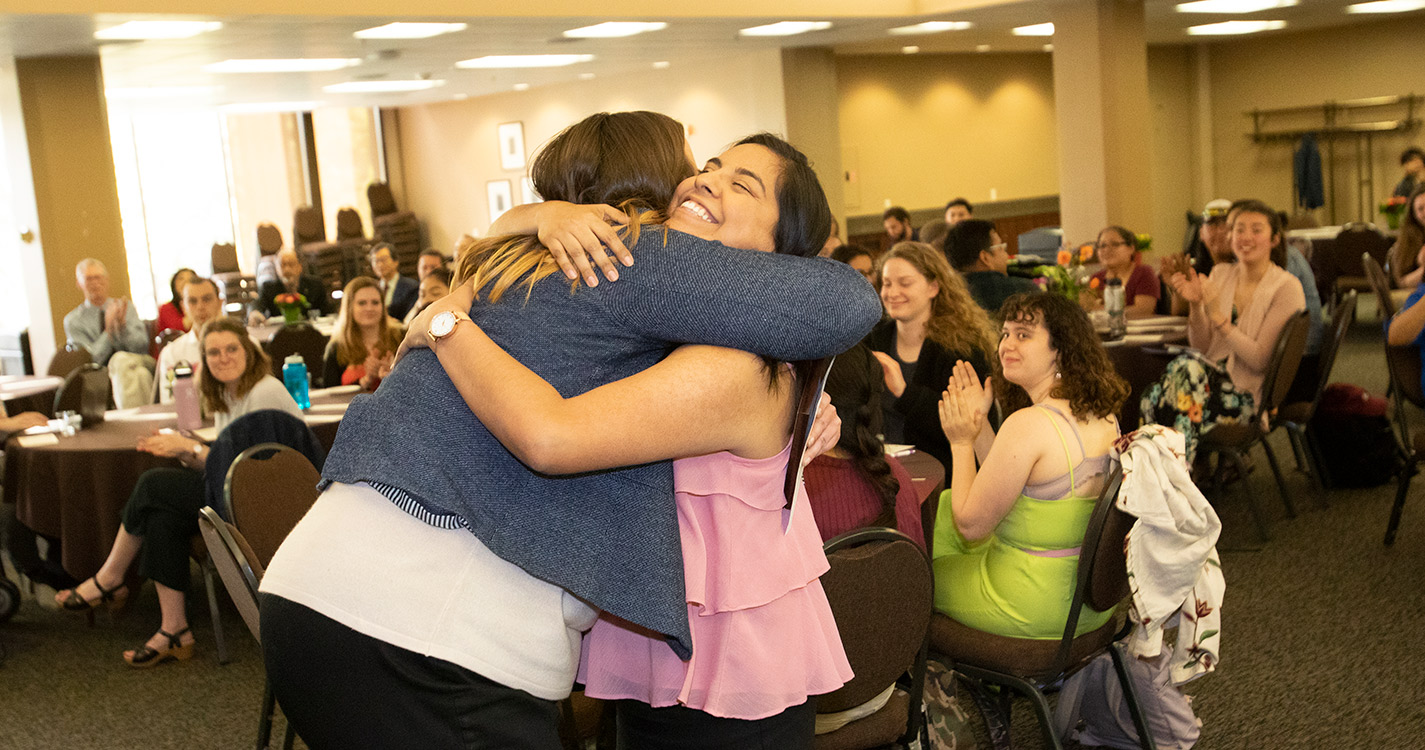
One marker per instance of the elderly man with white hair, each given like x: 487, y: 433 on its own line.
x: 110, y: 329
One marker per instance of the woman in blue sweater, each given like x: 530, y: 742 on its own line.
x: 434, y: 541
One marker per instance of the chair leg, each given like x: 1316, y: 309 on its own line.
x: 289, y: 736
x: 1041, y: 708
x: 1130, y: 695
x: 209, y: 572
x: 1403, y: 487
x: 1319, y: 458
x: 1281, y: 483
x: 915, y: 723
x: 1253, y: 502
x: 1301, y: 443
x: 264, y: 721
x: 995, y: 709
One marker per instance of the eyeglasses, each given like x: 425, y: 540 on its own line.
x: 1116, y: 243
x: 999, y: 247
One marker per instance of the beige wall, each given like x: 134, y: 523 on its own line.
x: 1173, y: 112
x: 809, y: 83
x: 450, y: 151
x: 918, y: 130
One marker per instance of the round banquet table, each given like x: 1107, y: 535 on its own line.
x: 74, y: 488
x: 929, y: 477
x: 1138, y: 358
x: 21, y: 393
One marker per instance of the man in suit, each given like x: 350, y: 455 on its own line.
x: 401, y: 293
x: 290, y: 279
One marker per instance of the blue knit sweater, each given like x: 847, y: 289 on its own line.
x: 609, y: 537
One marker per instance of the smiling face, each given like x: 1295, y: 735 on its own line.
x: 432, y: 289
x: 223, y: 356
x: 905, y: 292
x: 956, y: 213
x: 1252, y: 237
x: 895, y: 228
x: 1218, y: 240
x: 383, y: 264
x: 366, y: 307
x: 1113, y: 250
x: 733, y: 200
x: 996, y: 256
x: 200, y: 302
x: 1026, y: 354
x: 94, y: 282
x: 1419, y: 208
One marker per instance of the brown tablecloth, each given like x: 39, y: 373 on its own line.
x: 74, y: 489
x: 929, y: 477
x: 22, y: 393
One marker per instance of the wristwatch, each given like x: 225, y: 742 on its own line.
x: 443, y: 325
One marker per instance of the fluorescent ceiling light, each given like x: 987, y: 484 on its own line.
x: 281, y: 65
x: 1048, y: 48
x: 1233, y: 6
x: 586, y: 76
x: 1234, y: 27
x: 785, y: 28
x: 1038, y: 29
x: 931, y: 27
x: 662, y: 65
x: 157, y: 30
x: 982, y: 48
x: 521, y: 87
x: 245, y: 108
x: 158, y: 92
x: 614, y: 29
x: 1386, y: 6
x: 404, y: 30
x: 523, y: 61
x: 381, y: 87
x: 910, y: 50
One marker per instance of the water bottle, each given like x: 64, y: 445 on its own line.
x: 185, y: 399
x: 1113, y: 304
x: 294, y: 376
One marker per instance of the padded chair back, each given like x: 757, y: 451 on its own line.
x: 269, y: 239
x: 348, y: 225
x: 1380, y: 283
x: 880, y: 591
x: 1403, y: 363
x: 811, y: 374
x: 1102, y: 577
x: 307, y: 226
x: 269, y: 488
x: 251, y: 429
x: 68, y: 359
x: 300, y: 339
x: 1285, y: 361
x: 224, y: 257
x: 86, y: 390
x: 1345, y: 315
x: 235, y: 563
x: 378, y: 194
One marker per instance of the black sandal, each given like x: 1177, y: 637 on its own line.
x: 112, y: 598
x: 146, y: 656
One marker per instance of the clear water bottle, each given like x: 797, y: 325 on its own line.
x: 1113, y: 304
x: 294, y: 376
x: 185, y: 399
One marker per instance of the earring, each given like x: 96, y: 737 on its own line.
x: 1058, y: 375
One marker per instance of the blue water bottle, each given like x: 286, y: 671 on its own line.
x: 294, y: 376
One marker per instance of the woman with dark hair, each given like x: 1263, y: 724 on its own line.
x: 434, y: 286
x: 1406, y: 264
x: 1008, y: 530
x: 477, y: 555
x: 858, y: 258
x: 1235, y: 317
x: 1117, y: 249
x: 365, y: 339
x: 170, y: 313
x: 855, y: 484
x: 161, y: 516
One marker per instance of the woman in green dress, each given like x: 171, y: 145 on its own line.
x: 1008, y: 531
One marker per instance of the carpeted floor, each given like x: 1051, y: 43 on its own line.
x: 1321, y: 629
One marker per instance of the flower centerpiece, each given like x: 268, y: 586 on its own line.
x: 1068, y: 276
x: 293, y: 306
x: 1392, y: 209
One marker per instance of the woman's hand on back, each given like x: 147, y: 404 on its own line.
x: 891, y: 371
x: 460, y: 299
x: 577, y: 235
x: 825, y: 430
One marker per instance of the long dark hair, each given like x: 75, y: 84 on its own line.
x: 854, y: 384
x: 1086, y: 380
x: 803, y: 215
x: 173, y: 286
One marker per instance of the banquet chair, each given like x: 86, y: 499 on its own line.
x: 66, y: 360
x: 269, y: 241
x: 1357, y: 240
x: 269, y: 487
x: 1380, y: 283
x: 302, y: 339
x: 1033, y: 667
x: 1296, y: 417
x: 241, y: 572
x: 88, y: 391
x: 1235, y: 440
x: 880, y: 591
x: 1404, y: 367
x: 237, y: 288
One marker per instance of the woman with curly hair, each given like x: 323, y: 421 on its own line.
x: 1007, y: 535
x: 931, y: 321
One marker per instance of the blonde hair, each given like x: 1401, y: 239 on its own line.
x: 350, y: 343
x: 956, y: 321
x: 259, y: 365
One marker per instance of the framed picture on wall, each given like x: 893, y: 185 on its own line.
x: 497, y: 193
x: 511, y: 145
x: 527, y: 192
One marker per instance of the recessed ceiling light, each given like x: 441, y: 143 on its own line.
x: 586, y: 76
x: 521, y: 87
x: 244, y: 108
x: 910, y: 49
x: 1234, y: 27
x: 1386, y: 6
x: 1038, y: 29
x: 277, y: 65
x: 982, y: 48
x: 461, y: 97
x: 614, y: 29
x: 931, y: 27
x: 405, y: 30
x: 1233, y: 6
x: 158, y: 92
x: 382, y: 87
x: 1048, y: 48
x: 662, y: 65
x: 523, y: 61
x: 157, y: 30
x: 785, y: 28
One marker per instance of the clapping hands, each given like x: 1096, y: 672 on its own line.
x: 965, y: 404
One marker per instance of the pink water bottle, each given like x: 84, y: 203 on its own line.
x: 185, y: 399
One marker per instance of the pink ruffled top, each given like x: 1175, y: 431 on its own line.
x: 763, y: 635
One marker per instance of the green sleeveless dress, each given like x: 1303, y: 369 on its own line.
x: 1018, y: 582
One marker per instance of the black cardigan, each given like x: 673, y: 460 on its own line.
x: 919, y: 404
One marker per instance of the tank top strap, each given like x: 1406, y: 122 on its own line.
x: 1068, y: 457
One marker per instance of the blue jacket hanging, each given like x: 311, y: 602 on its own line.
x: 1306, y: 168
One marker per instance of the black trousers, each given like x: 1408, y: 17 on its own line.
x: 642, y: 727
x: 344, y: 690
x: 163, y: 509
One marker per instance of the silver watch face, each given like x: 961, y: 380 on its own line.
x: 442, y: 324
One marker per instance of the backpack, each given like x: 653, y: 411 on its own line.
x: 1358, y: 448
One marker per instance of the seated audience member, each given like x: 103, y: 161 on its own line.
x: 957, y: 211
x: 1407, y: 256
x: 855, y: 484
x: 399, y: 293
x: 170, y: 313
x: 429, y: 260
x: 201, y: 304
x: 933, y: 232
x: 1405, y: 329
x: 1117, y: 249
x: 1412, y: 160
x: 110, y: 330
x: 931, y: 323
x: 858, y: 258
x: 975, y: 250
x: 364, y: 340
x: 1214, y: 246
x: 896, y: 222
x: 833, y: 241
x: 434, y: 285
x: 161, y: 516
x: 1008, y: 531
x: 290, y: 280
x: 1235, y: 317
